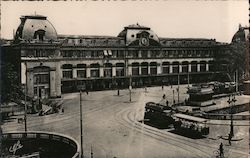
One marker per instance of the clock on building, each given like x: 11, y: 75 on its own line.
x: 144, y: 41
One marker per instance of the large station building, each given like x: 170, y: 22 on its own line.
x: 52, y: 64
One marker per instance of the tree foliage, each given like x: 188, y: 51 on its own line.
x: 11, y: 89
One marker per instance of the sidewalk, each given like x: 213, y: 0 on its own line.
x: 228, y: 122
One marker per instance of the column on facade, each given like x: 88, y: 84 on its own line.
x: 180, y: 68
x: 139, y: 69
x: 139, y: 53
x: 198, y: 67
x: 170, y: 68
x: 58, y: 76
x: 101, y: 71
x: 149, y: 69
x: 52, y: 82
x: 88, y: 72
x: 159, y: 68
x: 30, y: 82
x: 207, y: 66
x: 189, y: 67
x: 74, y: 73
x: 149, y: 54
x: 129, y: 70
x: 113, y: 71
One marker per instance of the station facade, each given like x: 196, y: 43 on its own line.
x: 53, y: 64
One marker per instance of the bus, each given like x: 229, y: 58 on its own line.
x: 190, y: 124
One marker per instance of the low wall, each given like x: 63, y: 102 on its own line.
x: 39, y: 144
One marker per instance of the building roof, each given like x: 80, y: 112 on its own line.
x: 241, y: 35
x: 33, y: 25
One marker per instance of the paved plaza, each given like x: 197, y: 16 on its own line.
x: 112, y: 128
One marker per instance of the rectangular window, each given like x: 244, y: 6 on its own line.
x: 94, y: 73
x: 41, y: 78
x: 144, y: 54
x: 81, y: 73
x: 67, y: 74
x: 94, y: 54
x: 120, y: 54
x: 119, y: 72
x: 165, y: 70
x: 107, y: 72
x: 67, y: 54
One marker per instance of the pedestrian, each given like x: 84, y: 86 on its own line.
x: 162, y: 87
x: 87, y: 92
x: 62, y: 109
x: 221, y: 150
x: 164, y: 96
x: 167, y: 102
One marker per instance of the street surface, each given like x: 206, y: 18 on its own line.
x: 111, y: 126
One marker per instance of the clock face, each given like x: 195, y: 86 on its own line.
x: 144, y: 41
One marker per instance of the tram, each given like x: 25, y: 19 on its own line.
x: 190, y: 124
x: 158, y: 114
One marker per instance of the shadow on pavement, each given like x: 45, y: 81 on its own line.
x: 187, y: 134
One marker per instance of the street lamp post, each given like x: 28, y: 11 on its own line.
x: 25, y: 100
x: 173, y: 97
x: 178, y: 88
x: 231, y: 103
x: 130, y: 88
x: 81, y: 128
x: 231, y: 117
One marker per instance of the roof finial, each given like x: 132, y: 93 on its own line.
x: 240, y: 26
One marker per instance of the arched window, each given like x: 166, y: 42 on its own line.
x: 165, y: 67
x: 203, y: 66
x: 194, y: 66
x: 175, y: 67
x: 95, y: 70
x: 67, y: 71
x: 120, y: 69
x: 184, y: 66
x: 153, y: 68
x: 144, y: 68
x: 135, y: 68
x: 107, y: 70
x: 81, y: 70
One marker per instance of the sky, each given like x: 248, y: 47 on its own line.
x: 171, y: 19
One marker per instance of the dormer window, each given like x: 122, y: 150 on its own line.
x: 39, y: 34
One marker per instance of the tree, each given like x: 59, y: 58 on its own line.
x: 237, y: 60
x: 11, y: 89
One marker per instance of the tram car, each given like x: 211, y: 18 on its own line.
x: 190, y: 125
x: 158, y: 114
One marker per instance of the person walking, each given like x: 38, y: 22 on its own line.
x: 221, y: 149
x: 164, y: 96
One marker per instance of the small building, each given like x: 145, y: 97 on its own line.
x: 200, y: 95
